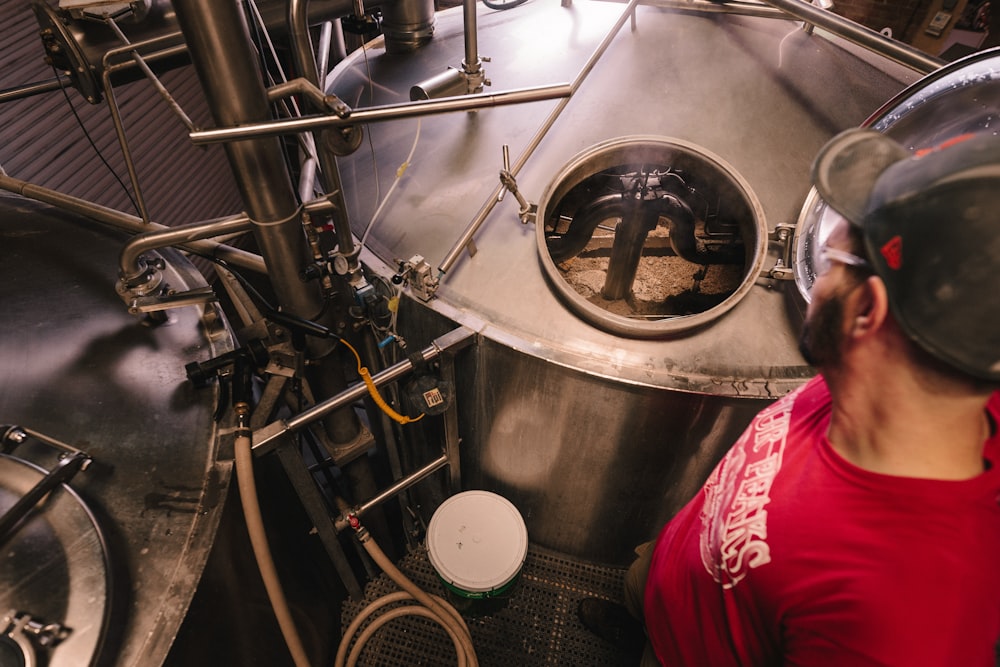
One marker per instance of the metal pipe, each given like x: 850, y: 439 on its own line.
x: 472, y: 63
x: 720, y: 7
x: 329, y: 171
x: 466, y: 238
x: 30, y: 89
x: 116, y: 118
x: 266, y: 438
x: 219, y: 43
x: 305, y: 88
x: 323, y: 57
x: 128, y: 223
x: 384, y: 113
x: 302, y: 53
x: 342, y: 521
x: 859, y: 34
x: 113, y: 68
x: 128, y: 261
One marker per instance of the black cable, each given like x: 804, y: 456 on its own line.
x: 300, y: 324
x: 504, y: 5
x: 91, y: 141
x: 251, y: 290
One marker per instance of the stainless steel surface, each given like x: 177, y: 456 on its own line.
x: 598, y: 437
x: 56, y: 568
x: 465, y: 240
x: 77, y: 367
x: 755, y: 92
x: 866, y: 37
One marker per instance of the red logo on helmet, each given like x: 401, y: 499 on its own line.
x: 920, y: 152
x: 892, y: 251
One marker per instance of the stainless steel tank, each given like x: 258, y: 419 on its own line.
x: 599, y: 426
x: 113, y: 558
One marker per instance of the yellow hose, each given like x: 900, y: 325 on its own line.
x: 373, y: 390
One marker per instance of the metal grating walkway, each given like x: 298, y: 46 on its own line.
x: 538, y: 627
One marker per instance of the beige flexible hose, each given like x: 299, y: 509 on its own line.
x: 261, y: 550
x: 430, y: 606
x: 374, y: 626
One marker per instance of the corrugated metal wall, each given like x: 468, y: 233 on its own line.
x: 42, y: 142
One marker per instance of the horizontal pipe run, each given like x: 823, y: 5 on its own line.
x: 30, y: 89
x: 266, y: 438
x: 128, y: 223
x: 724, y: 7
x: 342, y: 521
x: 382, y: 113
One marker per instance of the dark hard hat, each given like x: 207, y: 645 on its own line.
x: 931, y: 225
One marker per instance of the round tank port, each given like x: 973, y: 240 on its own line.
x: 649, y: 236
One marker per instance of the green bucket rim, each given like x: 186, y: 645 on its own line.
x: 482, y: 595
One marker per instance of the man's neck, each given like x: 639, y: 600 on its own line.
x: 893, y: 426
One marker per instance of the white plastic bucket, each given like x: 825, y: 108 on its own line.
x: 477, y: 543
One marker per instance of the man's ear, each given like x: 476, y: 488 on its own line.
x: 868, y: 307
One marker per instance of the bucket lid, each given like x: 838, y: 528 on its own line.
x: 477, y: 541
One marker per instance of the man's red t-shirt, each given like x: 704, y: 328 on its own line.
x: 790, y: 555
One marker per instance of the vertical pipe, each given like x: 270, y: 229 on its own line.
x: 305, y: 60
x: 219, y: 43
x: 626, y: 250
x: 407, y: 24
x: 471, y: 64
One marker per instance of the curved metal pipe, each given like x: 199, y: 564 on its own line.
x: 298, y: 34
x: 128, y: 261
x: 128, y: 223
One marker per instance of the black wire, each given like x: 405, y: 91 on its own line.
x: 91, y: 141
x: 307, y: 327
x: 504, y: 5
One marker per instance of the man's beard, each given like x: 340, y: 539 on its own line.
x: 822, y: 334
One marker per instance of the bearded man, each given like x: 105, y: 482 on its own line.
x: 857, y: 520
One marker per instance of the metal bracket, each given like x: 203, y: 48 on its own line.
x: 70, y: 462
x: 527, y: 211
x: 149, y: 304
x: 784, y: 235
x: 419, y: 275
x: 17, y: 629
